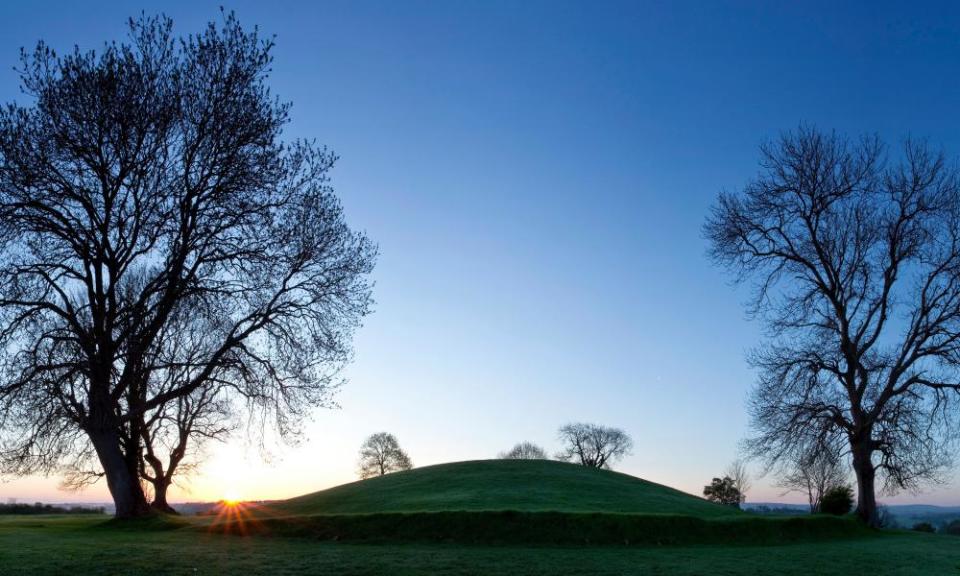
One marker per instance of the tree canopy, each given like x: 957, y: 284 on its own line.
x: 854, y: 257
x: 593, y: 445
x: 381, y: 454
x: 524, y: 451
x: 723, y: 491
x: 162, y: 243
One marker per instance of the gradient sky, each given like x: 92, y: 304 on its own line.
x: 536, y: 175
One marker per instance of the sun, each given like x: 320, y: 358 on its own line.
x: 231, y: 498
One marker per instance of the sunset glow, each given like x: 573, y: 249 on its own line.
x: 232, y: 498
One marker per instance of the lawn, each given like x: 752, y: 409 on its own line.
x: 482, y: 517
x: 85, y: 545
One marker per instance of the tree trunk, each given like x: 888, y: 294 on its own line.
x: 160, y: 497
x: 866, y: 495
x: 124, y: 484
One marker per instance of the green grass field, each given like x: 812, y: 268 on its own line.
x: 494, y: 517
x: 83, y: 546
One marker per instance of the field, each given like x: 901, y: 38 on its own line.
x: 450, y: 522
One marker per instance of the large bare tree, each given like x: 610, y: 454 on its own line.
x: 150, y: 180
x: 593, y: 445
x: 855, y: 262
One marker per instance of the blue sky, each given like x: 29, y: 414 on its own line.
x: 536, y: 175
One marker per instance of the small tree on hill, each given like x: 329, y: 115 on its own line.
x: 524, y: 451
x: 381, y: 454
x: 592, y: 445
x: 837, y: 501
x: 723, y: 491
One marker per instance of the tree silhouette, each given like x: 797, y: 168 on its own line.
x: 814, y: 472
x: 593, y: 445
x: 723, y: 491
x: 738, y: 472
x: 524, y: 451
x: 140, y: 184
x: 856, y: 263
x: 381, y: 454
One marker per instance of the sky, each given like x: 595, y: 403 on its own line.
x: 536, y: 175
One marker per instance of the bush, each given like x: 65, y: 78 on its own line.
x: 952, y: 528
x: 923, y: 527
x: 723, y: 491
x: 40, y: 508
x: 837, y: 501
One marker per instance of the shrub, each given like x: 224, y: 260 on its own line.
x: 952, y: 528
x: 724, y: 491
x: 524, y: 451
x: 837, y: 501
x: 923, y: 527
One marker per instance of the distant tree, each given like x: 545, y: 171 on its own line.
x: 381, y: 454
x: 592, y: 445
x: 837, y: 501
x: 813, y: 472
x: 856, y: 263
x: 723, y: 491
x: 524, y: 451
x: 148, y: 180
x: 738, y: 472
x: 924, y: 527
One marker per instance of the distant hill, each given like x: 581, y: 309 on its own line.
x: 899, y: 509
x: 493, y: 485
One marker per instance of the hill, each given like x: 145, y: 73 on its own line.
x: 494, y: 485
x: 519, y: 502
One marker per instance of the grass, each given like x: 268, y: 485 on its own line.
x: 520, y: 485
x: 88, y: 546
x: 490, y: 517
x: 540, y: 528
x: 522, y: 502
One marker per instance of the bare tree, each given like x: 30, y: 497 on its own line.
x: 813, y: 472
x: 593, y: 445
x: 156, y: 169
x: 173, y: 435
x: 856, y: 262
x: 524, y: 451
x: 381, y: 454
x: 737, y: 471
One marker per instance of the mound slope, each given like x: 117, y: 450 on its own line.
x: 496, y: 485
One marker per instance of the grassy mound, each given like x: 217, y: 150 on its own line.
x: 496, y: 485
x: 520, y: 502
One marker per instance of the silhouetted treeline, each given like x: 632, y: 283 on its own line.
x: 778, y: 510
x: 41, y: 508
